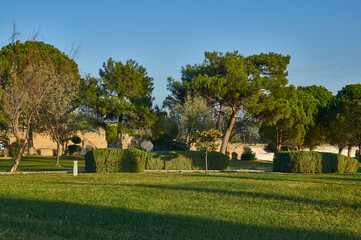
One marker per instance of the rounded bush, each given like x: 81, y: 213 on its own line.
x: 76, y: 140
x: 248, y: 155
x: 73, y: 149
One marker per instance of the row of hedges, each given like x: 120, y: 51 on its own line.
x: 186, y: 160
x: 313, y: 162
x: 133, y: 160
x: 108, y: 160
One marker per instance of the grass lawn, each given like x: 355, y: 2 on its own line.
x: 41, y: 163
x: 180, y: 206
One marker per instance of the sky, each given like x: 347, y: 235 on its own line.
x: 323, y: 37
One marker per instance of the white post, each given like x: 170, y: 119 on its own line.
x: 75, y: 168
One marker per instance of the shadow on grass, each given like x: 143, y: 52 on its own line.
x: 257, y: 195
x: 284, y: 177
x: 42, y: 163
x: 265, y: 196
x: 27, y: 219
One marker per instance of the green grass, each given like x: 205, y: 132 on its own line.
x: 180, y: 206
x: 41, y: 163
x: 258, y: 164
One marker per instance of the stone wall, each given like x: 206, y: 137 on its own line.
x: 45, y: 146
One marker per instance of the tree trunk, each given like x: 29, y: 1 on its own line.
x: 119, y: 141
x: 66, y: 147
x: 340, y: 150
x: 206, y: 163
x: 349, y: 149
x: 31, y: 142
x: 219, y: 119
x: 58, y: 150
x: 18, y: 157
x: 229, y: 130
x: 278, y: 139
x: 188, y: 137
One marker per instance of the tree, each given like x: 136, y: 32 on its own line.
x: 316, y: 131
x: 57, y: 109
x: 166, y: 129
x: 237, y: 82
x: 245, y: 129
x: 195, y: 116
x: 285, y: 114
x: 345, y: 117
x: 28, y: 73
x: 206, y: 142
x: 122, y: 94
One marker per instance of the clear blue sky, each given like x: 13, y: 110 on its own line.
x: 323, y: 37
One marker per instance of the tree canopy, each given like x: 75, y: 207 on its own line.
x: 28, y: 73
x: 236, y: 82
x: 122, y: 94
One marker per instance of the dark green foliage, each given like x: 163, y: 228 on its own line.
x: 343, y: 118
x: 14, y: 148
x: 177, y: 146
x: 186, y: 160
x: 338, y: 163
x: 234, y: 156
x: 170, y: 146
x: 297, y: 162
x: 108, y: 160
x: 248, y: 155
x: 110, y: 133
x: 313, y: 162
x: 73, y: 149
x: 123, y: 94
x: 76, y: 140
x: 234, y: 140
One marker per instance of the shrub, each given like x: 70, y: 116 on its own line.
x: 73, y: 149
x: 297, y: 162
x: 170, y: 146
x: 186, y: 160
x: 76, y: 140
x: 14, y: 148
x: 234, y: 156
x: 357, y: 153
x: 110, y: 160
x: 234, y: 139
x: 338, y: 163
x: 248, y: 154
x: 313, y: 162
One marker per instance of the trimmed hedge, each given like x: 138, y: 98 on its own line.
x: 186, y: 160
x: 74, y: 149
x: 313, y: 162
x: 108, y: 160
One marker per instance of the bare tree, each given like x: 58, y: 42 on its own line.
x: 28, y: 73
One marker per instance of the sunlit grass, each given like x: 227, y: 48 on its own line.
x: 180, y: 206
x: 42, y: 163
x: 45, y: 163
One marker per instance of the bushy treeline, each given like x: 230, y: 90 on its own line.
x: 247, y: 98
x: 313, y: 162
x: 134, y: 160
x: 250, y: 98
